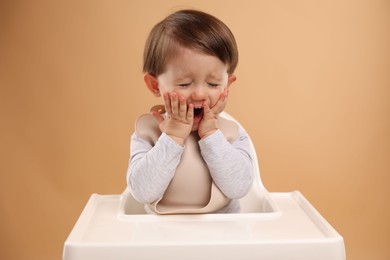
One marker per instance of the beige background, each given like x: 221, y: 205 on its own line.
x: 313, y: 90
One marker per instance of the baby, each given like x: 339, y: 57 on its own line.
x: 184, y: 157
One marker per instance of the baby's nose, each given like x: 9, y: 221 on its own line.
x: 199, y: 93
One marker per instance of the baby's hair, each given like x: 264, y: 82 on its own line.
x: 191, y: 29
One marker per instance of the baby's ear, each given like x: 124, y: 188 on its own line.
x: 152, y: 84
x: 231, y: 79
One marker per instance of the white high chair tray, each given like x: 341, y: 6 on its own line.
x: 287, y: 228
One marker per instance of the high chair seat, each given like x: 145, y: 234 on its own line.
x: 271, y: 225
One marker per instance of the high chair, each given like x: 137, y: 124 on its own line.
x: 271, y: 226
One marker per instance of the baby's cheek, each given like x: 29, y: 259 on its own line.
x: 183, y: 93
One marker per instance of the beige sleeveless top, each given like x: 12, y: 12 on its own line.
x: 191, y: 190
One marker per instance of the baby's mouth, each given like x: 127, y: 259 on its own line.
x: 198, y: 113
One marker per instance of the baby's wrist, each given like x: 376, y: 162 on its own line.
x: 177, y: 139
x: 207, y: 133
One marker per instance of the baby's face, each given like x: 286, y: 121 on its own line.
x: 197, y: 77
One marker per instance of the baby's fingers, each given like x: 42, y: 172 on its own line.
x: 207, y: 110
x: 221, y: 103
x: 167, y: 103
x: 183, y: 107
x: 159, y: 118
x: 190, y: 112
x: 175, y: 104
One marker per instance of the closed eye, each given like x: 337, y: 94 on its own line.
x: 212, y: 84
x: 184, y: 85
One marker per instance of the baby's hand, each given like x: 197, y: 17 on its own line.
x: 179, y: 120
x: 208, y: 125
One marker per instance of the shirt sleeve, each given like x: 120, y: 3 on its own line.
x: 230, y: 164
x: 151, y: 168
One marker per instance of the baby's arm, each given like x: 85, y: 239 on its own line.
x: 230, y: 165
x: 151, y: 168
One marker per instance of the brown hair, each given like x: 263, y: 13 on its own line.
x: 191, y: 29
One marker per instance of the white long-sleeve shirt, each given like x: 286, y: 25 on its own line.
x: 230, y: 166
